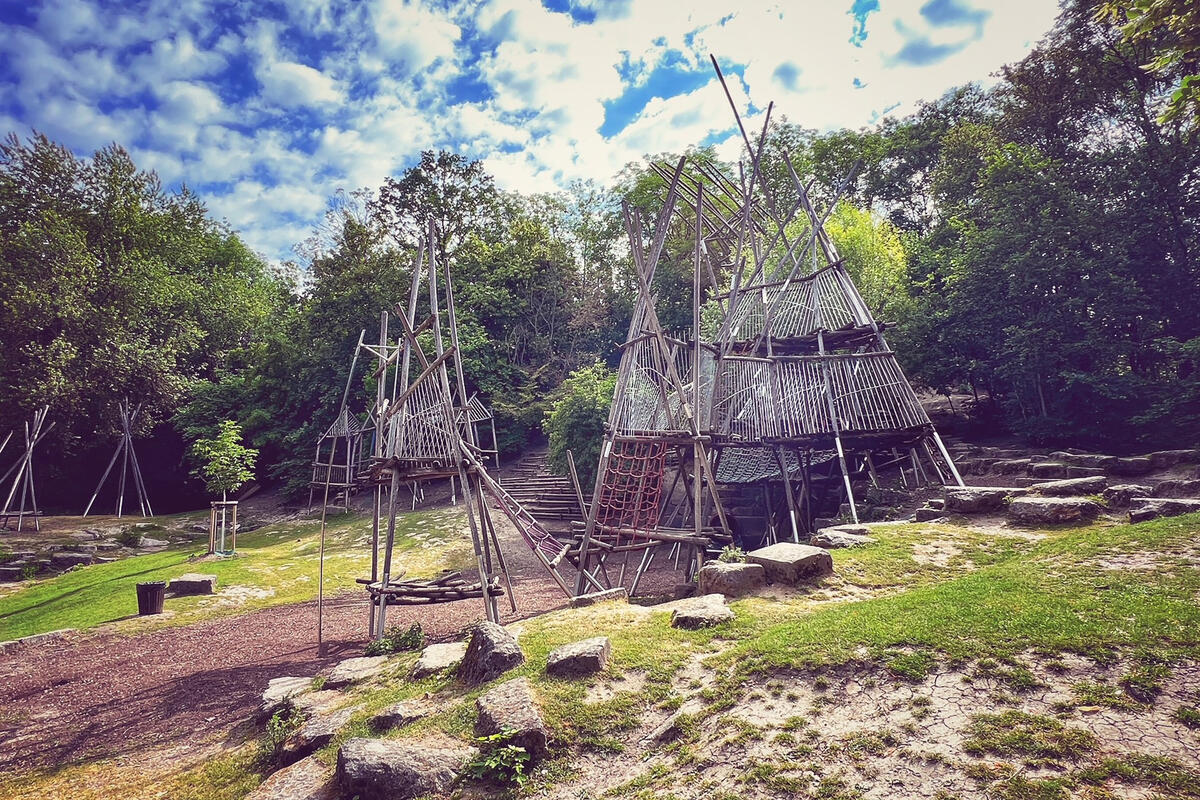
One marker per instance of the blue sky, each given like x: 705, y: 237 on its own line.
x: 266, y: 109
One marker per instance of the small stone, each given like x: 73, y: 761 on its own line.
x: 388, y: 769
x: 924, y: 515
x: 1052, y: 510
x: 307, y: 779
x: 147, y: 542
x: 511, y: 706
x: 438, y: 657
x: 1131, y: 467
x: 731, y: 580
x: 1142, y: 509
x: 406, y: 712
x: 581, y: 658
x: 491, y: 652
x: 836, y: 538
x: 1071, y: 487
x: 1119, y: 496
x: 791, y: 563
x: 619, y: 593
x: 701, y: 612
x: 279, y: 690
x: 191, y: 584
x: 1087, y: 709
x: 667, y: 730
x: 353, y: 670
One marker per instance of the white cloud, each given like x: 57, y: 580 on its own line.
x: 412, y: 36
x: 288, y: 84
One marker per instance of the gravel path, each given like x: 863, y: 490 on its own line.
x: 102, y: 694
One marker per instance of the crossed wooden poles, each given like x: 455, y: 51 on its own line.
x: 129, y: 465
x: 22, y: 489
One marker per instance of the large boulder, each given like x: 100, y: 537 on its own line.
x: 1071, y: 487
x: 1164, y: 459
x: 577, y: 659
x: 389, y: 769
x: 1052, y: 510
x: 920, y: 515
x: 701, y: 612
x: 491, y: 652
x: 1180, y: 489
x: 307, y: 779
x: 65, y: 559
x: 791, y: 563
x: 979, y: 499
x: 1132, y: 467
x: 1142, y: 509
x: 281, y: 690
x: 732, y: 580
x: 1120, y: 495
x: 512, y: 707
x: 353, y: 670
x: 438, y: 657
x: 192, y: 583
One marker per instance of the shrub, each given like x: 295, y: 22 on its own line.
x: 281, y: 725
x: 732, y: 554
x: 499, y: 760
x: 397, y: 640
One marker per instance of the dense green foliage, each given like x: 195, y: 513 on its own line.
x: 223, y: 462
x: 576, y: 420
x: 1034, y: 244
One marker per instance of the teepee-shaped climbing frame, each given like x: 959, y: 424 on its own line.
x: 21, y: 500
x: 130, y: 468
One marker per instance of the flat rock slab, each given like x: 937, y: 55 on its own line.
x: 192, y: 583
x: 65, y: 559
x: 731, y: 580
x: 438, y: 657
x: 978, y: 499
x: 1071, y: 487
x: 578, y: 659
x: 922, y: 515
x: 1122, y: 494
x: 148, y: 542
x: 1178, y: 489
x: 791, y: 563
x: 353, y: 670
x: 1093, y: 460
x: 313, y: 703
x: 388, y: 769
x: 280, y: 690
x: 512, y: 706
x: 1169, y: 458
x: 1052, y: 510
x: 701, y: 612
x: 307, y: 779
x: 406, y: 712
x: 618, y: 594
x: 1130, y: 467
x: 836, y: 538
x: 1142, y: 509
x: 491, y: 652
x: 315, y: 733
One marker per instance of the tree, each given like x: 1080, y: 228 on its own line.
x: 1172, y: 30
x: 577, y: 418
x: 223, y: 462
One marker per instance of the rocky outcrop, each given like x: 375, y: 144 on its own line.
x: 512, y: 707
x: 834, y: 538
x: 353, y: 670
x: 315, y: 733
x: 979, y: 499
x: 1132, y: 467
x: 1052, y: 510
x: 731, y: 580
x: 701, y: 612
x: 1178, y: 489
x: 1071, y: 487
x: 1142, y: 509
x: 491, y: 652
x: 579, y: 658
x: 438, y: 657
x: 387, y: 769
x: 1120, y: 495
x: 308, y: 779
x: 790, y: 563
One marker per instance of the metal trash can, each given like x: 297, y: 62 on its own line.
x: 150, y: 597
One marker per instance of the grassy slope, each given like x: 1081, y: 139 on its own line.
x: 994, y: 596
x: 277, y: 564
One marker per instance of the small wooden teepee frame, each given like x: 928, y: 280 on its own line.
x: 129, y: 465
x: 35, y: 431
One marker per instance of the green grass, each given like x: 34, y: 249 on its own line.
x: 1037, y: 738
x: 275, y: 565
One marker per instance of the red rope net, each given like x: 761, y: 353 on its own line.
x: 632, y: 485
